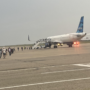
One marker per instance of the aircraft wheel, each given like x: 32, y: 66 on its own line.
x: 55, y: 46
x: 70, y: 45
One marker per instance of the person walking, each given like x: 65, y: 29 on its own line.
x: 22, y: 48
x: 9, y: 50
x: 0, y: 53
x: 29, y: 48
x: 18, y: 48
x: 12, y: 50
x: 4, y: 52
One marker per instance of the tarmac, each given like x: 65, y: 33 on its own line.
x: 61, y: 68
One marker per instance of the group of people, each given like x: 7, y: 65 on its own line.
x: 4, y: 51
x: 23, y: 48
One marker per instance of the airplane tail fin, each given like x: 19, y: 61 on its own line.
x: 80, y: 27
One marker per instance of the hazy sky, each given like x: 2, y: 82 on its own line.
x: 40, y: 19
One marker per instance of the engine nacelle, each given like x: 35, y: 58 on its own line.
x: 60, y: 44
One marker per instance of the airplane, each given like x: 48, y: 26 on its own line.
x: 69, y: 39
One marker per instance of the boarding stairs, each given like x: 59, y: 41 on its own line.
x: 36, y: 45
x: 38, y: 42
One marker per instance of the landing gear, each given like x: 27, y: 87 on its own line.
x: 70, y: 45
x: 55, y: 46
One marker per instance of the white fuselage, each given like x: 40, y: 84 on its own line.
x: 72, y: 37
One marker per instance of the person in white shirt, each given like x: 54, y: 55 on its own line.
x: 4, y: 52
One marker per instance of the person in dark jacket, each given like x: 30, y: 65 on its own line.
x: 18, y: 48
x: 12, y: 51
x: 9, y: 50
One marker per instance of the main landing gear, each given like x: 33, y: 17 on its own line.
x: 55, y: 46
x: 70, y: 44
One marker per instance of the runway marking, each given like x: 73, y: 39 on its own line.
x: 60, y: 81
x: 26, y: 69
x: 84, y: 65
x: 32, y: 68
x: 55, y: 66
x: 17, y: 70
x: 66, y: 71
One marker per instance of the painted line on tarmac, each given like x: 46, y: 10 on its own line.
x: 66, y: 71
x: 32, y: 68
x: 44, y: 67
x: 52, y: 82
x: 55, y: 66
x: 17, y: 70
x: 41, y: 67
x: 83, y: 65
